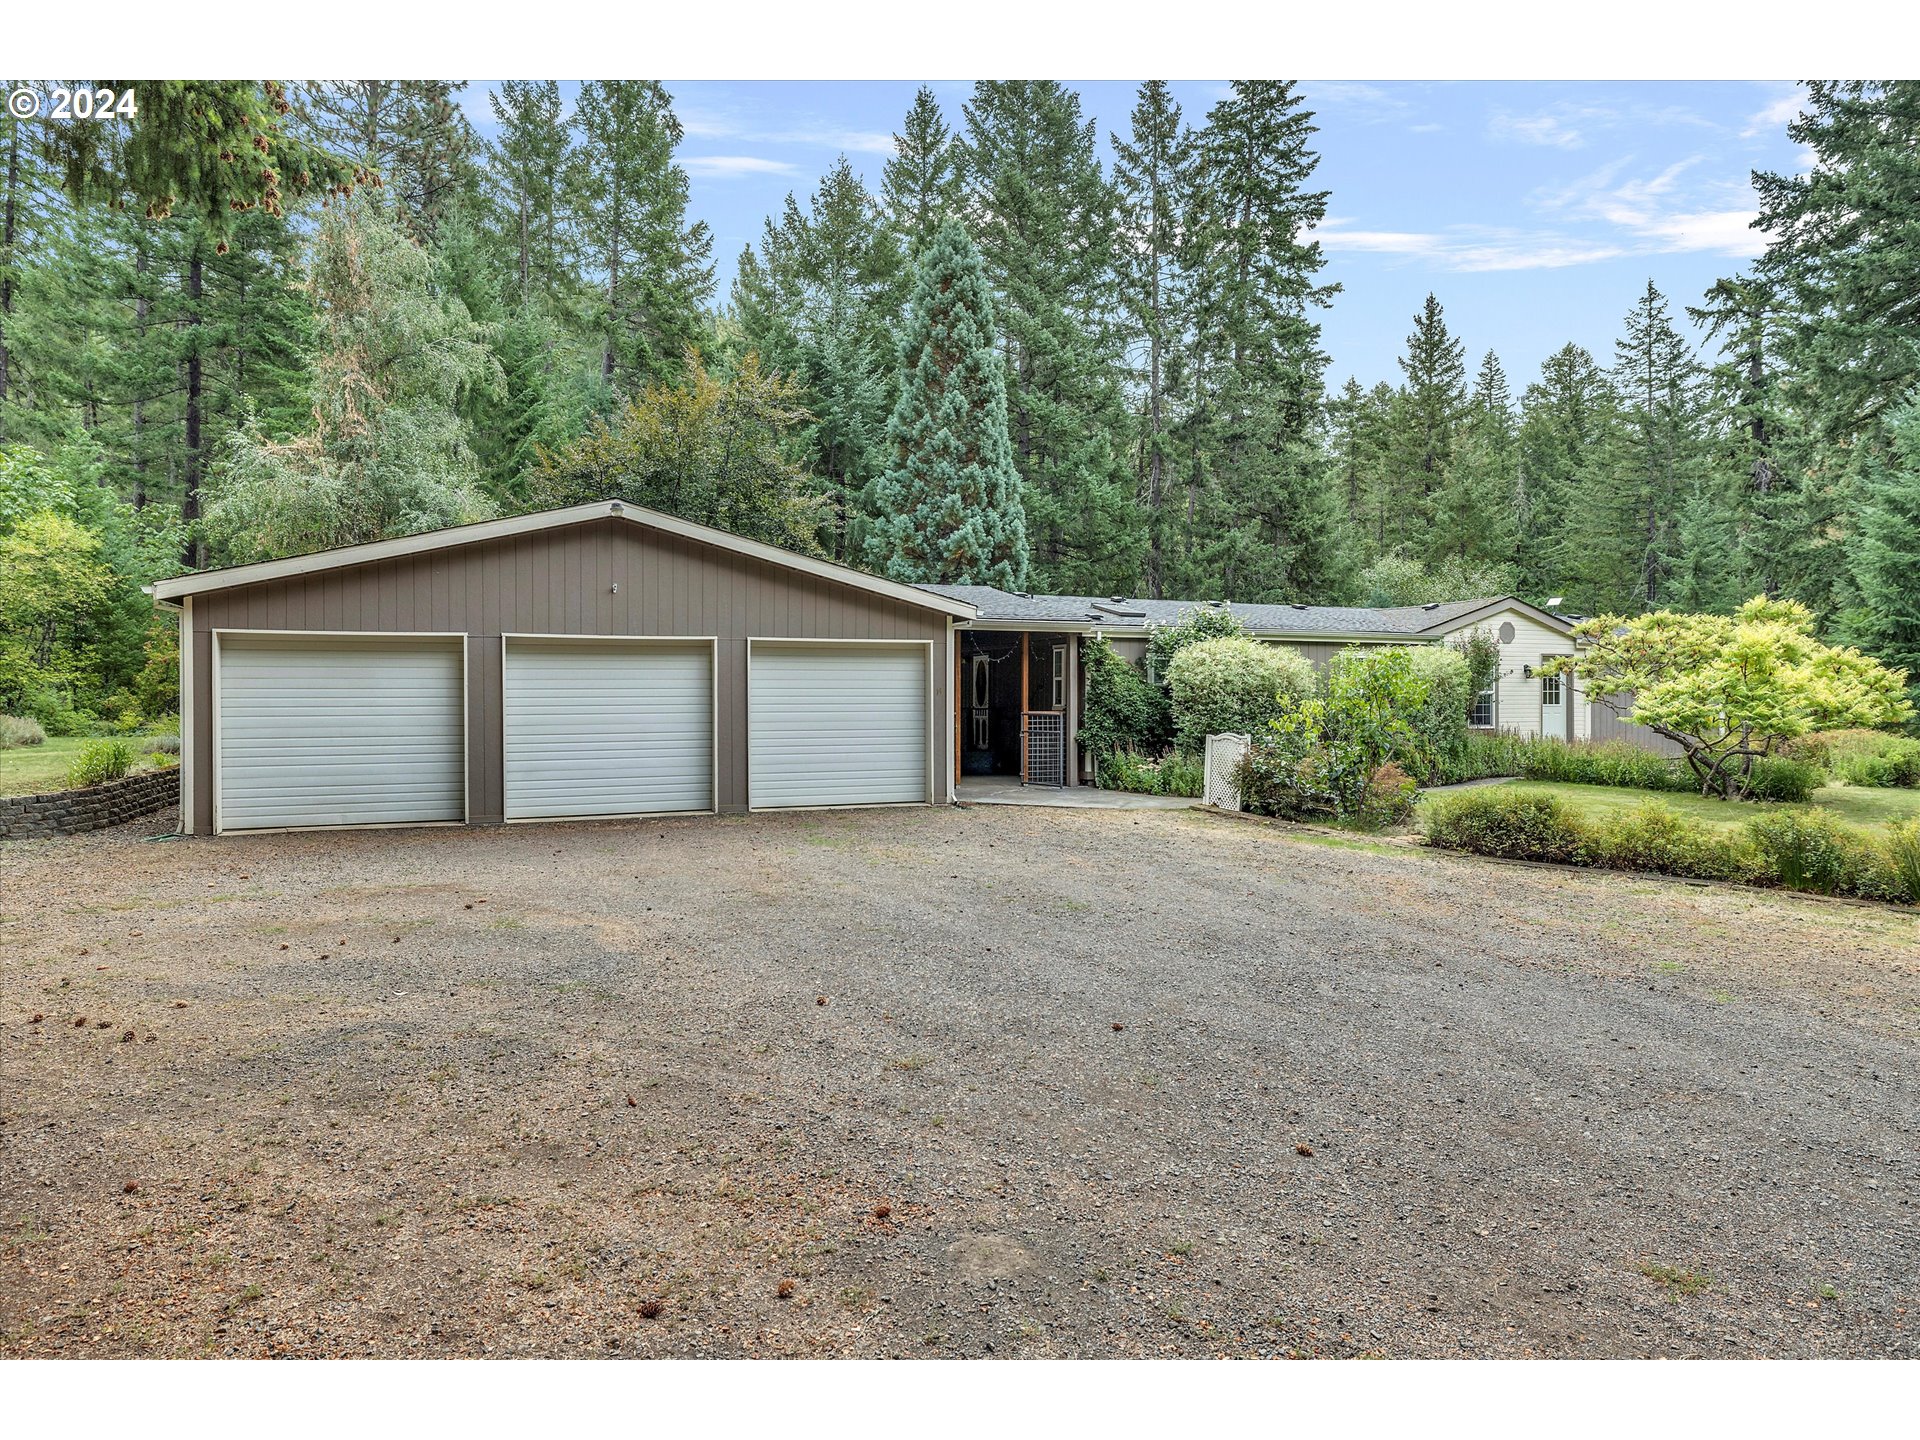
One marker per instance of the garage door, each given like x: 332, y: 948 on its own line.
x: 322, y: 730
x: 836, y: 725
x: 607, y: 728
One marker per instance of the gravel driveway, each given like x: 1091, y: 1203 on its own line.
x: 944, y: 1082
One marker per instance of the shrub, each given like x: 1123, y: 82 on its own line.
x: 1391, y: 796
x: 1203, y: 622
x: 1903, y: 859
x: 1800, y: 849
x: 1604, y: 762
x: 1183, y: 775
x: 164, y: 744
x: 1861, y: 757
x: 1121, y: 708
x: 100, y: 761
x: 1507, y: 824
x: 20, y: 730
x: 1485, y: 755
x: 1440, y: 719
x: 1232, y: 685
x: 52, y: 710
x: 1774, y: 778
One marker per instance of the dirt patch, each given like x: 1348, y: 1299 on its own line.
x: 1084, y: 1083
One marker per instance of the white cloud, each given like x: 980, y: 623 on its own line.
x: 1471, y: 248
x: 716, y: 125
x: 1535, y: 130
x: 1660, y: 213
x: 1425, y: 128
x: 732, y: 167
x: 1775, y: 114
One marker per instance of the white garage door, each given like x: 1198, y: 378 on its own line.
x: 324, y: 730
x: 607, y: 728
x: 836, y: 725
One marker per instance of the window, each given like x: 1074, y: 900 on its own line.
x: 982, y: 682
x: 1059, y: 677
x: 1485, y: 714
x: 1549, y: 690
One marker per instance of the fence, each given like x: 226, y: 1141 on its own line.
x: 1046, y: 747
x: 1224, y: 754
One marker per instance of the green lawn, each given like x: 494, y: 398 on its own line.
x: 1856, y: 805
x: 36, y: 769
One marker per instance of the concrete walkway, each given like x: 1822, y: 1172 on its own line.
x: 1007, y: 790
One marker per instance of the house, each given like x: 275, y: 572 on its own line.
x: 608, y: 660
x: 1018, y: 665
x: 598, y: 660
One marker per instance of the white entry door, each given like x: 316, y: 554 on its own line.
x: 607, y: 727
x: 836, y: 724
x: 1553, y: 706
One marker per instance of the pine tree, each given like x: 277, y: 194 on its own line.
x: 1886, y: 550
x: 1434, y: 405
x: 652, y: 267
x: 1359, y: 439
x: 1635, y: 486
x: 1042, y: 216
x: 1153, y: 177
x: 949, y: 510
x: 532, y: 154
x: 1473, y: 510
x: 1256, y: 416
x: 920, y: 186
x: 816, y: 304
x: 1566, y: 416
x: 1841, y: 260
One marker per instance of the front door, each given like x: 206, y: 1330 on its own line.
x: 1553, y: 706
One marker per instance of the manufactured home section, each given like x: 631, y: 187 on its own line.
x: 329, y: 730
x: 605, y: 727
x: 837, y: 724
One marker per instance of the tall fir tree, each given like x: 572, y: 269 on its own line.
x: 1153, y: 176
x: 1473, y: 510
x: 1433, y: 406
x: 1886, y: 550
x: 1042, y: 215
x: 651, y: 265
x: 948, y: 509
x: 1566, y: 416
x: 532, y: 156
x: 921, y: 184
x: 1266, y: 526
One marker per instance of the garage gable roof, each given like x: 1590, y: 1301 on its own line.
x: 171, y: 591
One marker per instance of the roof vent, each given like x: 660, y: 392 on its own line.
x: 1216, y: 604
x: 1431, y: 605
x: 1117, y: 599
x: 1298, y: 606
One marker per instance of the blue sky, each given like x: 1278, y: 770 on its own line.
x: 1535, y: 211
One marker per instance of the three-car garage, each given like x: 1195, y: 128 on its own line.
x: 598, y: 662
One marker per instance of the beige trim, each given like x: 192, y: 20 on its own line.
x: 466, y: 739
x: 712, y: 642
x: 408, y: 545
x: 934, y: 738
x: 1495, y: 607
x: 187, y: 737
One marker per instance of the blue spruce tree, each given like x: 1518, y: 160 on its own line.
x: 947, y: 510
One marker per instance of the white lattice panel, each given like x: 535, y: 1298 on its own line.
x: 1224, y: 754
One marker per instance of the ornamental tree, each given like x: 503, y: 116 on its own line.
x: 1730, y: 689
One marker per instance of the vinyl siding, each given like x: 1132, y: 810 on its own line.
x: 1517, y: 696
x: 563, y: 581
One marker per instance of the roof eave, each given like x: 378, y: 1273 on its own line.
x: 166, y: 591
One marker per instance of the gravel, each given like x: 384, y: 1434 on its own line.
x: 991, y: 1081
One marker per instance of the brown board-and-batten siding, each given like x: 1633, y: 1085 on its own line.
x: 606, y: 577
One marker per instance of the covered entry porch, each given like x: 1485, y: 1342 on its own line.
x: 1017, y: 708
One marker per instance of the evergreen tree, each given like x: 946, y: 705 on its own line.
x: 1473, y: 510
x: 948, y: 510
x: 1257, y: 412
x: 1886, y: 550
x: 816, y: 305
x: 1042, y: 215
x: 652, y: 267
x: 532, y: 155
x: 1566, y: 416
x: 921, y: 185
x: 1153, y: 177
x: 1434, y: 406
x: 1634, y: 487
x: 1359, y: 439
x: 1841, y: 258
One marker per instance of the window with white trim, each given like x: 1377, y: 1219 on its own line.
x: 1059, y: 677
x: 1485, y: 711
